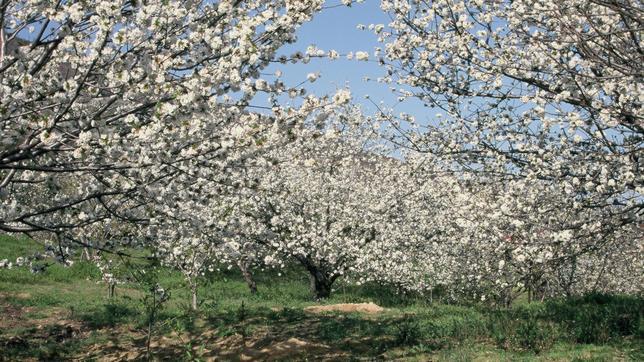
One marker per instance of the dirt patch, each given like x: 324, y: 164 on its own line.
x: 23, y: 295
x: 269, y: 347
x: 282, y: 350
x: 24, y: 328
x: 209, y: 347
x: 369, y: 308
x: 12, y: 315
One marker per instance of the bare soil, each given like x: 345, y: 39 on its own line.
x: 231, y: 348
x: 369, y: 308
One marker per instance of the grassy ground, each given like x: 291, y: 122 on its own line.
x: 64, y: 313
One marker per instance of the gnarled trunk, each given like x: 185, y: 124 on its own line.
x: 320, y: 277
x: 320, y: 285
x: 248, y: 276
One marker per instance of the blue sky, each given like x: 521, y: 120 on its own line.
x: 336, y: 28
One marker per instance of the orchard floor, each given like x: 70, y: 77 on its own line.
x: 64, y: 314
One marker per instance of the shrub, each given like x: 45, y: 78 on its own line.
x: 523, y: 328
x: 408, y: 332
x: 460, y: 327
x: 110, y: 315
x: 598, y: 318
x: 533, y: 335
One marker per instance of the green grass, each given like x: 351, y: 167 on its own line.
x: 591, y: 328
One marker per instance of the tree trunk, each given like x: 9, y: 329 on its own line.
x: 86, y: 254
x: 321, y: 280
x: 248, y: 276
x: 528, y: 287
x: 150, y: 323
x: 193, y: 291
x: 571, y: 278
x: 320, y: 284
x: 111, y: 290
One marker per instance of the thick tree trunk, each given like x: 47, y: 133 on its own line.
x: 248, y: 276
x: 320, y: 285
x: 321, y: 279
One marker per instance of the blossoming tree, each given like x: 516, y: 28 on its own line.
x: 116, y: 93
x: 322, y: 198
x: 539, y: 99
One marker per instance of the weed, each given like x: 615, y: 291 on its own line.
x: 408, y: 331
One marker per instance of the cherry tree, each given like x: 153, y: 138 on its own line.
x: 412, y: 249
x: 614, y: 269
x: 246, y: 255
x: 195, y: 214
x: 116, y: 93
x: 193, y: 257
x: 541, y: 101
x: 491, y: 242
x: 322, y: 198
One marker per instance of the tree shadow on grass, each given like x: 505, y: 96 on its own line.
x: 352, y: 334
x: 109, y: 315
